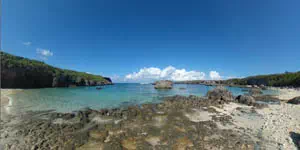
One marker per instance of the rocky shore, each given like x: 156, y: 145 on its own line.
x: 218, y: 121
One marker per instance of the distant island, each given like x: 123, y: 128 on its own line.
x: 20, y: 72
x: 288, y: 79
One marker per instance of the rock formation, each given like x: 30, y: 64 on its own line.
x: 245, y: 99
x: 163, y: 84
x: 221, y: 94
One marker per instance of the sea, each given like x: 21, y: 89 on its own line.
x: 108, y: 96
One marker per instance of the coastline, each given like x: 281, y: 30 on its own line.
x: 286, y: 94
x: 172, y: 124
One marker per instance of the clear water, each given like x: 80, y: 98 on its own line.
x: 71, y: 99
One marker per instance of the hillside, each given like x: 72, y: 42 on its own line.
x: 20, y: 72
x: 289, y: 79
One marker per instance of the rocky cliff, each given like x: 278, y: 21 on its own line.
x: 19, y: 72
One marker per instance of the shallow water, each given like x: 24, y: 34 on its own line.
x: 71, y: 99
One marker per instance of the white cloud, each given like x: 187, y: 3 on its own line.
x: 214, y: 75
x: 44, y: 53
x: 26, y: 43
x: 234, y: 77
x: 168, y: 73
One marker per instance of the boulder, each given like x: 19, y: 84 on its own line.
x: 163, y: 84
x: 255, y: 91
x: 220, y: 93
x: 295, y: 100
x: 245, y: 99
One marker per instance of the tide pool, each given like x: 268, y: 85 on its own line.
x: 110, y: 96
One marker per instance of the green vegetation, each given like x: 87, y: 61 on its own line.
x: 285, y: 79
x: 9, y: 61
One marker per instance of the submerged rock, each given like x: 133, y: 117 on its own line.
x: 267, y: 99
x: 255, y: 91
x: 220, y: 93
x: 163, y: 84
x: 245, y: 99
x: 295, y: 100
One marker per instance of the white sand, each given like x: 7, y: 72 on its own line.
x: 271, y: 126
x: 286, y: 93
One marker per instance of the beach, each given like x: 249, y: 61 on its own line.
x: 177, y: 122
x: 286, y: 93
x: 272, y: 126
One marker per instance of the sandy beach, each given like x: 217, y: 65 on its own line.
x: 271, y: 126
x: 286, y: 93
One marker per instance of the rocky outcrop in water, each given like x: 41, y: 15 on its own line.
x: 245, y: 99
x: 255, y: 91
x: 221, y: 94
x: 163, y: 84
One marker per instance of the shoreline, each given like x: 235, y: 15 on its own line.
x: 6, y: 100
x: 5, y: 96
x: 178, y: 122
x: 286, y: 94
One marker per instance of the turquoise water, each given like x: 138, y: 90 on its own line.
x: 71, y: 99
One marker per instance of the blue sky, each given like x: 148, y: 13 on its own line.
x: 231, y: 38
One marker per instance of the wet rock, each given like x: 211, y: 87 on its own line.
x: 98, y: 135
x: 267, y: 98
x: 113, y: 145
x: 295, y: 100
x: 245, y: 99
x: 153, y: 140
x: 163, y: 84
x: 98, y: 88
x: 182, y: 143
x: 148, y: 126
x: 221, y: 94
x: 91, y: 145
x: 129, y: 143
x: 260, y: 105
